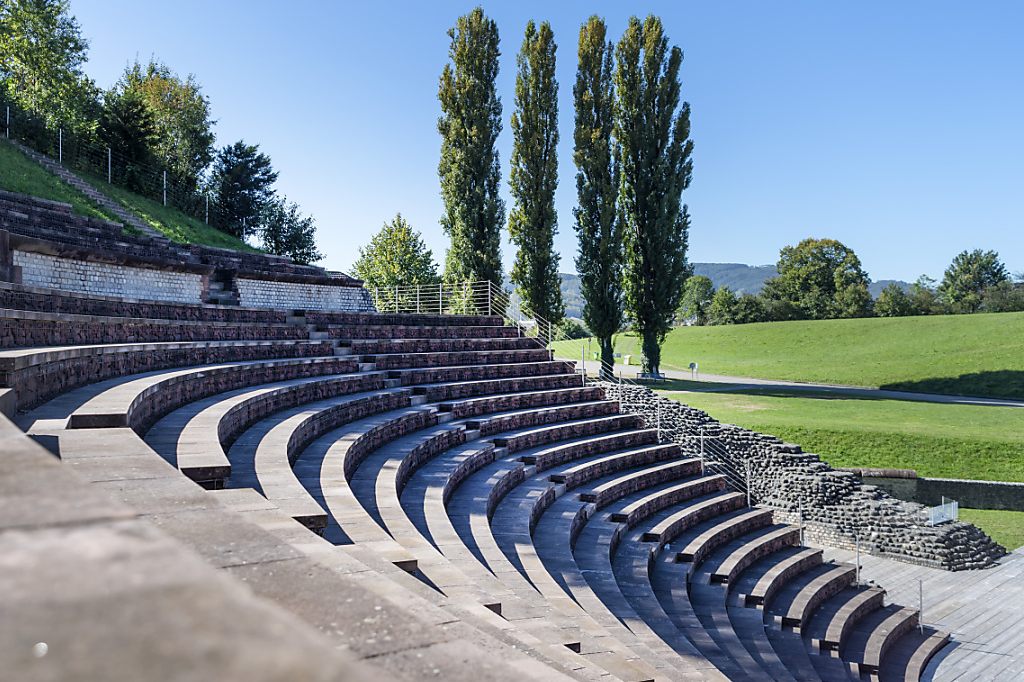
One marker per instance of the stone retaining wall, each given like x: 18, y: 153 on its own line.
x: 835, y: 507
x: 108, y: 279
x: 930, y: 491
x: 302, y: 296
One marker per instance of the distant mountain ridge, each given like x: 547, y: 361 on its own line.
x: 741, y: 278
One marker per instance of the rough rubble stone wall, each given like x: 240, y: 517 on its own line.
x: 301, y: 296
x: 834, y: 506
x: 107, y: 279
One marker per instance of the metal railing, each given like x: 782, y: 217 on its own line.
x: 487, y: 298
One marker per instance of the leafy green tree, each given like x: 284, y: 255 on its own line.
x: 469, y: 169
x: 533, y: 222
x: 893, y: 301
x: 924, y: 300
x: 967, y: 277
x: 396, y: 256
x: 182, y: 115
x: 286, y: 232
x: 127, y: 125
x: 821, y: 279
x: 41, y: 56
x: 571, y: 329
x: 1005, y: 297
x: 749, y: 308
x: 697, y: 294
x: 242, y: 185
x: 653, y: 128
x: 598, y: 229
x: 723, y: 307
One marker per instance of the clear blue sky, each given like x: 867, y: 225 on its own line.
x: 897, y: 128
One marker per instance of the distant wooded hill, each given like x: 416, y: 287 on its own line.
x: 743, y: 279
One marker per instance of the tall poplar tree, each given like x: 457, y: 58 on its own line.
x: 469, y: 168
x: 533, y: 221
x: 599, y: 260
x: 653, y: 129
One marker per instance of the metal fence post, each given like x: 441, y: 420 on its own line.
x: 856, y: 537
x: 110, y: 167
x: 702, y: 451
x: 748, y: 482
x: 396, y: 299
x: 165, y: 188
x: 440, y: 298
x: 8, y: 122
x: 489, y: 308
x: 60, y: 145
x: 920, y: 605
x: 207, y: 209
x: 417, y: 298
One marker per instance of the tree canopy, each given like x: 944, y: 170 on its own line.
x: 967, y: 277
x: 396, y: 256
x: 181, y: 112
x: 697, y: 294
x: 470, y: 169
x: 820, y: 279
x: 533, y: 221
x: 242, y: 183
x: 653, y: 128
x: 284, y: 231
x: 597, y: 224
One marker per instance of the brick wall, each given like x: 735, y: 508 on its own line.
x: 301, y: 296
x: 106, y: 279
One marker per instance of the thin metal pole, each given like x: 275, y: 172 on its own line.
x: 60, y: 145
x: 165, y: 188
x: 110, y: 167
x: 748, y: 483
x: 440, y: 298
x: 8, y: 122
x: 920, y: 599
x: 396, y: 298
x: 857, y: 539
x: 702, y: 451
x: 417, y: 298
x: 489, y: 309
x: 207, y: 209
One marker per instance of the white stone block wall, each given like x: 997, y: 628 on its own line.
x: 254, y: 293
x: 105, y: 279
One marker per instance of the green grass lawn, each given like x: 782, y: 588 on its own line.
x: 953, y: 441
x: 18, y: 173
x: 172, y: 223
x: 952, y: 354
x: 1005, y: 527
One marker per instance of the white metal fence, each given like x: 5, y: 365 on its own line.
x: 948, y: 511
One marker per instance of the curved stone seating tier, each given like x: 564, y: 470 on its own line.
x: 138, y: 402
x: 764, y: 578
x: 195, y: 437
x: 398, y: 331
x: 438, y: 345
x: 874, y: 635
x: 472, y: 407
x: 19, y: 329
x: 343, y: 319
x: 39, y: 374
x: 793, y: 605
x: 831, y: 625
x: 448, y: 374
x: 469, y: 357
x: 747, y: 550
x: 907, y: 659
x: 645, y: 505
x: 435, y: 392
x: 41, y: 300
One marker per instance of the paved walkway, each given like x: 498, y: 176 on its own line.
x: 982, y: 610
x: 731, y: 383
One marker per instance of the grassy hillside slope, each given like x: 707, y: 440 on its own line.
x: 20, y: 174
x: 945, y: 441
x: 951, y: 354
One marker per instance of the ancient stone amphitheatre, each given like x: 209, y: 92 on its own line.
x: 222, y: 466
